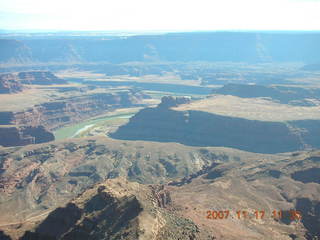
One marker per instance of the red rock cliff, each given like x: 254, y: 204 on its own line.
x: 55, y: 114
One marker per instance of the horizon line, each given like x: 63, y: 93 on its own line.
x: 7, y: 31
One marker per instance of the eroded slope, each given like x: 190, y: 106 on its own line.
x: 115, y: 209
x: 291, y: 183
x: 36, y: 179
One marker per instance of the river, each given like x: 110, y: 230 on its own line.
x: 73, y: 130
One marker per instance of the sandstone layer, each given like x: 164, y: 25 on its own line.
x: 39, y: 78
x: 13, y: 82
x: 55, y: 114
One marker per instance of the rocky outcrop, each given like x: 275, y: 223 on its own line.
x: 24, y: 135
x: 170, y: 101
x: 251, y: 186
x: 9, y: 84
x: 40, y: 180
x: 40, y: 78
x: 115, y: 209
x: 37, y: 178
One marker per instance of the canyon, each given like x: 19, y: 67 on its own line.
x: 54, y: 107
x: 190, y: 136
x: 55, y: 114
x: 13, y: 82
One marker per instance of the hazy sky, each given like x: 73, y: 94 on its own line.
x: 144, y: 15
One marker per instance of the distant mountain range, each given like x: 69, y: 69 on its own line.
x: 249, y: 47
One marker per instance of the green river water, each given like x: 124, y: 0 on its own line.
x: 73, y: 130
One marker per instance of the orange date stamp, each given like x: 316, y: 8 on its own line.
x: 293, y: 215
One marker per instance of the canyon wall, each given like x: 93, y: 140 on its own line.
x: 49, y: 116
x: 13, y: 82
x: 24, y: 135
x: 32, y: 125
x: 55, y: 114
x: 24, y: 132
x: 198, y: 128
x: 40, y: 78
x: 14, y: 51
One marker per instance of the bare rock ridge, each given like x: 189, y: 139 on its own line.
x: 201, y: 128
x: 35, y: 179
x: 115, y: 209
x: 290, y: 184
x: 35, y: 183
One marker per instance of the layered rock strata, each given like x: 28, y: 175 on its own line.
x: 24, y: 135
x: 9, y: 84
